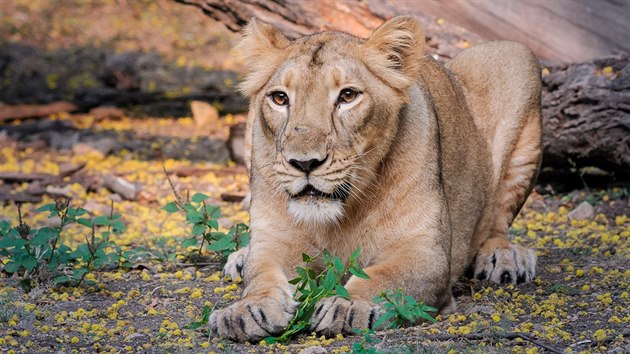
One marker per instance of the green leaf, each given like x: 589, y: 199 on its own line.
x: 101, y: 221
x: 306, y: 258
x: 11, y: 242
x: 199, y: 197
x: 62, y: 279
x: 213, y: 211
x: 189, y: 242
x: 4, y: 226
x: 171, y: 207
x: 329, y: 280
x: 359, y: 272
x: 243, y: 240
x: 386, y: 317
x: 44, y: 235
x: 427, y: 317
x: 28, y: 261
x: 77, y: 273
x: 339, y: 267
x: 84, y: 222
x: 198, y: 229
x: 194, y: 216
x: 327, y: 257
x: 11, y: 267
x: 74, y: 212
x: 118, y: 227
x: 82, y: 252
x: 213, y: 224
x: 341, y: 291
x: 355, y: 254
x: 48, y: 207
x: 222, y: 244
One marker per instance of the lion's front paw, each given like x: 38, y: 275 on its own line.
x: 336, y: 315
x: 254, y: 317
x: 502, y: 262
x: 234, y: 266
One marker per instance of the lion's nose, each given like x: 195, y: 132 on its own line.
x: 307, y: 166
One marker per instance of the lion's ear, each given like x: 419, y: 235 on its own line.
x: 260, y: 49
x: 394, y: 51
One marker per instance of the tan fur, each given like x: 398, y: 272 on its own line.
x: 439, y: 160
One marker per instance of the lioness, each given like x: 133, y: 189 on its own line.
x: 373, y: 144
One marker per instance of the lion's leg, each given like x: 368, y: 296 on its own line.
x: 498, y: 259
x: 267, y: 304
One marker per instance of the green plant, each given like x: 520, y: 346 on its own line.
x: 365, y: 345
x: 93, y: 254
x: 400, y: 310
x: 312, y: 287
x: 41, y: 253
x: 205, y: 226
x: 205, y: 316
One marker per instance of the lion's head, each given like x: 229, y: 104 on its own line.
x: 326, y: 107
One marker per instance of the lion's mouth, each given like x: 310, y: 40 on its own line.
x: 340, y: 193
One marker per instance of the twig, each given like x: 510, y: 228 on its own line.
x: 591, y: 343
x: 485, y: 336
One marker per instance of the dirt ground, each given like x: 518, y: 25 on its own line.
x: 578, y: 302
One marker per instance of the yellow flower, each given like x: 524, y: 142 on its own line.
x: 599, y: 335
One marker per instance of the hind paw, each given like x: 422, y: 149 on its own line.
x: 502, y: 262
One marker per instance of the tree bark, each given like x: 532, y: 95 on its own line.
x: 586, y: 115
x: 586, y: 106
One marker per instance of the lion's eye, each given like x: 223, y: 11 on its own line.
x: 280, y: 98
x: 347, y: 95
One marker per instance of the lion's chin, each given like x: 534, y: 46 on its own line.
x: 317, y: 211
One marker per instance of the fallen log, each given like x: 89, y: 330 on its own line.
x: 586, y: 115
x: 586, y: 106
x: 553, y: 30
x: 360, y: 18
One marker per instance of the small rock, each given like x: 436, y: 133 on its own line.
x: 96, y: 208
x: 135, y: 336
x: 236, y: 143
x: 104, y: 145
x: 488, y: 310
x: 68, y: 168
x: 583, y: 211
x: 317, y: 349
x: 58, y: 191
x: 205, y: 115
x: 124, y: 188
x: 55, y: 221
x: 225, y: 222
x: 63, y: 141
x: 85, y: 149
x: 147, y: 197
x: 116, y: 198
